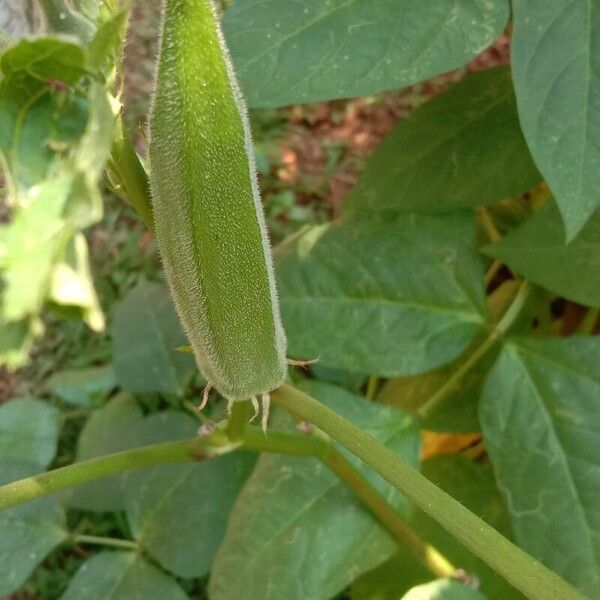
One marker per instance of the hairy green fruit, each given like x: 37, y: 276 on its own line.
x: 207, y: 210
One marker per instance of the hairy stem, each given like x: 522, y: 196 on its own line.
x: 516, y: 566
x: 454, y: 381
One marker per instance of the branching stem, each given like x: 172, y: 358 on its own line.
x: 516, y: 566
x: 454, y: 381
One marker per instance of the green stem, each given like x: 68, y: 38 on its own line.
x: 104, y: 541
x: 241, y: 413
x: 488, y: 224
x: 128, y: 175
x: 387, y: 515
x: 588, y: 323
x: 59, y: 479
x: 372, y: 385
x: 252, y: 439
x: 453, y: 382
x: 492, y: 272
x: 516, y: 566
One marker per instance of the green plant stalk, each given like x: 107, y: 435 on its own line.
x: 428, y: 555
x: 452, y: 383
x: 520, y: 569
x: 588, y: 323
x: 238, y: 419
x: 321, y: 448
x: 372, y: 385
x: 128, y: 175
x: 488, y: 224
x: 201, y: 448
x: 104, y: 541
x: 59, y: 479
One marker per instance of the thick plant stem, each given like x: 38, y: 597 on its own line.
x: 521, y: 570
x: 59, y: 479
x: 250, y: 439
x: 241, y: 412
x: 452, y: 383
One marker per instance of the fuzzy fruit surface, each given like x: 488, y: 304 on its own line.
x: 208, y: 214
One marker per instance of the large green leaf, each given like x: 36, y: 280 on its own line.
x: 31, y: 246
x: 556, y: 69
x: 459, y: 412
x: 541, y: 424
x: 121, y: 576
x: 538, y: 251
x: 146, y: 334
x: 298, y: 532
x: 443, y: 589
x: 82, y: 386
x: 111, y: 428
x: 474, y: 486
x: 37, y: 124
x: 178, y: 513
x: 56, y: 129
x: 387, y: 296
x: 309, y: 50
x: 28, y: 533
x: 463, y: 148
x: 28, y: 431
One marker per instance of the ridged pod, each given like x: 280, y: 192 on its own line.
x: 207, y: 210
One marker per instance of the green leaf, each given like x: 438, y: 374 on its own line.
x: 31, y: 245
x: 537, y: 250
x: 443, y: 589
x: 43, y: 59
x: 311, y: 50
x: 107, y: 43
x: 109, y: 429
x: 463, y: 148
x: 81, y: 387
x: 37, y: 124
x: 54, y: 141
x: 72, y: 284
x: 178, y: 513
x: 28, y: 431
x: 390, y: 297
x: 15, y: 342
x: 298, y: 532
x: 541, y: 427
x: 121, y: 576
x: 146, y: 334
x: 459, y: 412
x: 29, y: 532
x: 474, y: 486
x: 556, y: 70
